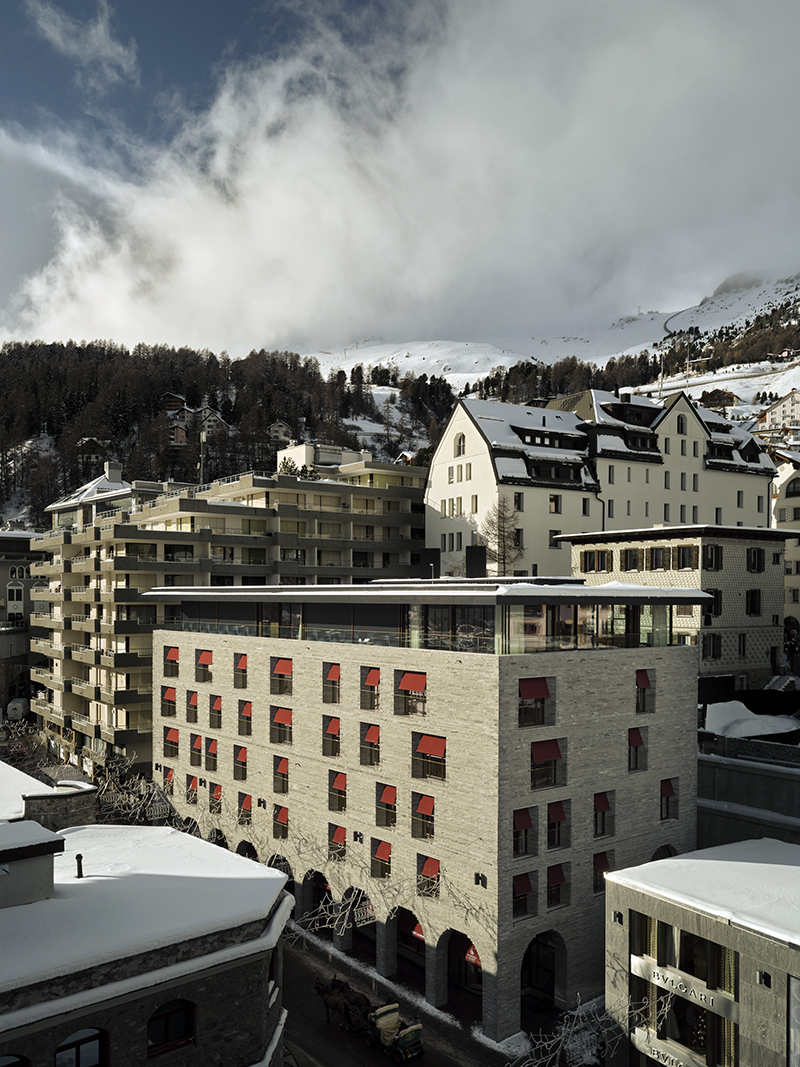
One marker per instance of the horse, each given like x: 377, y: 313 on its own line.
x: 335, y: 1001
x: 355, y: 999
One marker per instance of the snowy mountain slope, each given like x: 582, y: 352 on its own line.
x: 463, y: 361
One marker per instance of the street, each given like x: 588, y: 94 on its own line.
x: 317, y: 1043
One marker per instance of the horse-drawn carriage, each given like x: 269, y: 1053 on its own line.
x: 381, y: 1027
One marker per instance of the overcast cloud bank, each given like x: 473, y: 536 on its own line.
x: 463, y: 170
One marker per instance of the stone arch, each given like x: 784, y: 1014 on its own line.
x: 246, y: 849
x: 410, y: 935
x: 216, y: 837
x: 464, y: 973
x: 664, y: 852
x: 543, y: 979
x: 280, y: 863
x: 317, y: 909
x: 358, y: 918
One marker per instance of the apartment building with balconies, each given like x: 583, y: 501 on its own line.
x: 112, y: 541
x: 445, y: 769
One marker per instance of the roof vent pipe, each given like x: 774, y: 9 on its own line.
x: 79, y: 862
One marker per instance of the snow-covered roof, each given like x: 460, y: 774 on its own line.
x: 752, y: 884
x: 144, y: 888
x: 511, y: 467
x: 496, y: 420
x: 14, y: 785
x: 731, y: 718
x: 98, y: 488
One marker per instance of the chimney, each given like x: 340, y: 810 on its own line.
x: 113, y: 471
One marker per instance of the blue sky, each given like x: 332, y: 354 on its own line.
x: 307, y: 173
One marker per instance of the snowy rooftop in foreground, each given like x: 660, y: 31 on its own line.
x: 731, y: 718
x: 752, y: 884
x: 143, y: 888
x: 14, y: 785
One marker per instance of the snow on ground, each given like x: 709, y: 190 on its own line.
x: 463, y: 360
x: 732, y: 719
x: 14, y: 785
x: 751, y: 883
x: 143, y: 888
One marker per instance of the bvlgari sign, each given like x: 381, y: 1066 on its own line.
x: 688, y: 988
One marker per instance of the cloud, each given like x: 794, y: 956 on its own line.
x: 103, y: 62
x: 456, y: 170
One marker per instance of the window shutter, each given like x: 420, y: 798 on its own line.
x: 695, y: 557
x: 610, y: 560
x: 675, y: 560
x: 640, y: 558
x: 719, y: 557
x: 649, y: 559
x: 583, y: 562
x: 623, y: 560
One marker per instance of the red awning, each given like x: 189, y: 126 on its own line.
x: 411, y: 682
x: 601, y: 862
x: 211, y: 747
x: 216, y: 791
x: 555, y: 875
x: 282, y: 815
x: 198, y: 742
x: 431, y: 746
x: 522, y: 885
x: 246, y: 710
x: 247, y: 802
x: 430, y: 868
x: 242, y: 664
x: 283, y: 666
x: 192, y: 700
x: 283, y: 766
x: 642, y: 681
x: 333, y: 727
x: 373, y: 734
x: 383, y: 851
x: 171, y: 735
x: 334, y: 673
x: 522, y: 819
x: 217, y: 704
x: 169, y: 694
x: 339, y: 835
x: 666, y: 788
x: 472, y: 956
x: 635, y: 738
x: 283, y: 716
x: 373, y: 676
x: 542, y: 751
x: 241, y: 755
x: 340, y: 782
x: 205, y: 659
x: 533, y: 688
x: 601, y: 802
x: 555, y: 812
x: 425, y: 806
x: 389, y: 795
x: 417, y: 932
x: 193, y: 784
x: 172, y: 654
x: 169, y: 775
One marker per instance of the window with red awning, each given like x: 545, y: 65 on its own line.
x: 534, y: 689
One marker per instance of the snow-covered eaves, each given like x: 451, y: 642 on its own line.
x: 144, y: 888
x: 750, y: 884
x: 99, y: 488
x: 513, y: 468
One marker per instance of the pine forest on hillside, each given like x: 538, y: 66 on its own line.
x: 57, y: 395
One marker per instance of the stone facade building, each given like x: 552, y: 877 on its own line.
x: 112, y: 540
x: 593, y: 461
x: 445, y: 769
x: 739, y: 636
x: 121, y: 944
x: 709, y: 941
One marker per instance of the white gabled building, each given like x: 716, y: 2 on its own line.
x: 588, y: 462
